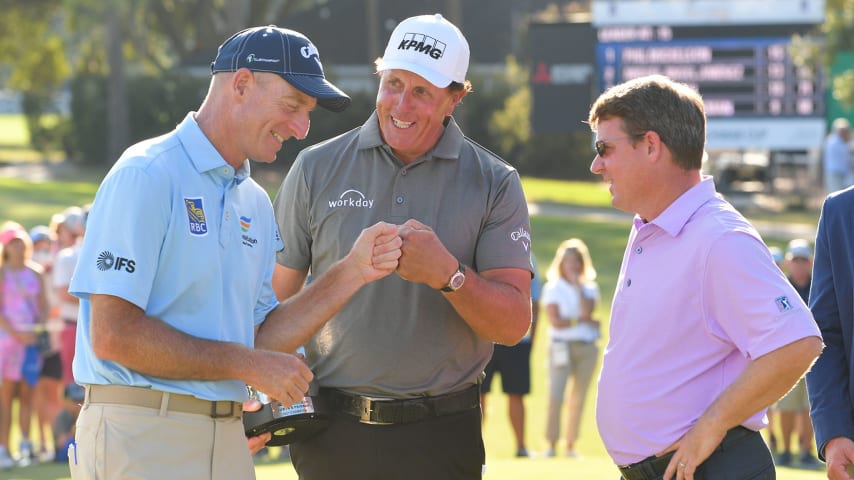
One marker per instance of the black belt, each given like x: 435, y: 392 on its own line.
x: 649, y: 468
x: 653, y: 468
x: 387, y: 411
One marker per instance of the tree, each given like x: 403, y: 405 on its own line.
x: 837, y: 33
x: 34, y: 51
x: 838, y: 29
x: 510, y: 126
x: 185, y: 32
x: 155, y: 36
x: 73, y: 37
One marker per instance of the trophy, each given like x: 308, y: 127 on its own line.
x: 287, y: 424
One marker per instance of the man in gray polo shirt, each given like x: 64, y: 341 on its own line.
x: 399, y: 365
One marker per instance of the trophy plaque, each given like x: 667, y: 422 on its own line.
x: 286, y: 424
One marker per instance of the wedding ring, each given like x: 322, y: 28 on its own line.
x: 681, y: 465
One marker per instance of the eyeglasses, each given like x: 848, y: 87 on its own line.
x: 602, y: 148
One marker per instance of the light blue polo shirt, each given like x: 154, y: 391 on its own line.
x: 176, y: 231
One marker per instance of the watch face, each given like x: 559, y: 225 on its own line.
x: 457, y: 280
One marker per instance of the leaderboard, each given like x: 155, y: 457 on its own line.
x: 741, y: 71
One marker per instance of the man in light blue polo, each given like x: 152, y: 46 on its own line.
x: 175, y: 278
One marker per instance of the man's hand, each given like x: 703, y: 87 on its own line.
x: 424, y: 258
x: 691, y: 450
x: 256, y: 443
x: 282, y: 376
x: 839, y: 454
x: 376, y: 252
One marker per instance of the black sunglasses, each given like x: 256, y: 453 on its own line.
x: 602, y: 148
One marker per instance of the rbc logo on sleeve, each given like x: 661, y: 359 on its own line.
x: 196, y: 216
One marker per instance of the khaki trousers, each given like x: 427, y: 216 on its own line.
x: 120, y: 441
x: 580, y: 365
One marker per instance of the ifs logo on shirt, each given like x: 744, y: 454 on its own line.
x: 196, y: 216
x: 108, y: 261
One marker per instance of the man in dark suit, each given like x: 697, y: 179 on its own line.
x: 831, y: 381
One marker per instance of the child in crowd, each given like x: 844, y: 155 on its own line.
x: 63, y: 425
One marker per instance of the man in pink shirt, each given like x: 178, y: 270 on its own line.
x: 705, y: 331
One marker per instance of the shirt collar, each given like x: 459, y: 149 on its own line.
x: 203, y: 155
x: 448, y: 146
x: 677, y: 214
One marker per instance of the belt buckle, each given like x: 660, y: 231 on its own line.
x: 366, y: 408
x: 215, y: 414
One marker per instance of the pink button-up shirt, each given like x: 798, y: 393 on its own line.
x: 698, y: 298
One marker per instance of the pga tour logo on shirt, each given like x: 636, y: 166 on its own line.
x: 783, y: 303
x: 196, y: 216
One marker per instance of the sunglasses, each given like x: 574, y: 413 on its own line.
x: 602, y: 148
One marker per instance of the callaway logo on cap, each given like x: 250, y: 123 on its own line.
x: 285, y: 52
x: 430, y: 46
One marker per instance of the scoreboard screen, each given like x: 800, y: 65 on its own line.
x: 755, y: 95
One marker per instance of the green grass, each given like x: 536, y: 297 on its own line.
x: 15, y: 140
x: 33, y: 202
x: 585, y: 194
x: 13, y: 130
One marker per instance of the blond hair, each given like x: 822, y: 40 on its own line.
x: 572, y: 246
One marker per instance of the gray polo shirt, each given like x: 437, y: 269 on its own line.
x: 397, y: 338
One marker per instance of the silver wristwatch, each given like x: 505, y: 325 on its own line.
x: 457, y: 279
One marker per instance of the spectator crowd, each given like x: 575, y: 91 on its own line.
x: 37, y: 337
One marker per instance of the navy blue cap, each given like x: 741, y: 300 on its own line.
x: 285, y: 52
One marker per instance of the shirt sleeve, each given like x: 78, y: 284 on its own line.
x: 549, y: 294
x: 267, y: 299
x: 591, y: 290
x: 133, y: 202
x: 292, y: 215
x: 750, y: 303
x: 505, y: 241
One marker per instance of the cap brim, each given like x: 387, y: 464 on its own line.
x: 328, y: 95
x: 431, y: 76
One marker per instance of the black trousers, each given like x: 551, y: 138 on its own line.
x: 448, y: 448
x: 742, y: 455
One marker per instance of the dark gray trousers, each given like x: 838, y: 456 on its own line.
x: 742, y: 455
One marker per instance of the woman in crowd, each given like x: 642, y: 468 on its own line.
x: 568, y: 299
x: 23, y: 306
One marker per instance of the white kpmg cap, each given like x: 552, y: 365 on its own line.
x: 430, y: 46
